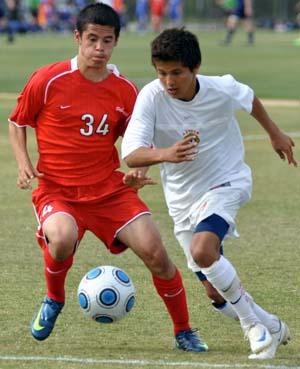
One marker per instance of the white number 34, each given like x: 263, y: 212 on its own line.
x: 90, y: 128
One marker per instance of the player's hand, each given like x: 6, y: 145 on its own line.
x: 183, y: 150
x: 26, y: 175
x: 137, y: 179
x: 283, y: 145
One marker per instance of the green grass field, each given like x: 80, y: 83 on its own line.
x: 266, y: 255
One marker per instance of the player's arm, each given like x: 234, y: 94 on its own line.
x: 137, y: 144
x: 183, y: 150
x: 26, y: 171
x: 281, y: 143
x: 29, y: 104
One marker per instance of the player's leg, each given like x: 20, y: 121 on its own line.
x: 184, y: 236
x: 271, y: 321
x: 123, y: 220
x: 249, y: 28
x: 205, y: 250
x: 231, y: 26
x: 61, y: 233
x: 277, y: 328
x: 211, y: 223
x: 57, y: 235
x: 219, y: 304
x: 143, y: 238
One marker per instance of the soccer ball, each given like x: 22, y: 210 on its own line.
x: 106, y: 294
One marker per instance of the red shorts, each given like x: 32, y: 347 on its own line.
x: 103, y: 208
x: 157, y: 8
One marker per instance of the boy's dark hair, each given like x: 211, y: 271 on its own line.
x: 101, y: 14
x: 176, y: 45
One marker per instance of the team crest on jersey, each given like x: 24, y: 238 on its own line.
x: 47, y: 209
x: 194, y: 134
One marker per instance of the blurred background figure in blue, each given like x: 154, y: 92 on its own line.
x: 175, y: 11
x: 142, y: 15
x: 2, y: 14
x: 12, y: 13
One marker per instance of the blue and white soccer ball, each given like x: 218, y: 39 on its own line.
x: 106, y: 294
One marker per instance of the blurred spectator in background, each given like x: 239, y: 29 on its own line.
x: 297, y: 10
x: 120, y: 8
x: 227, y: 6
x: 157, y: 11
x: 47, y: 15
x: 141, y: 13
x: 12, y: 19
x: 242, y: 11
x: 175, y: 10
x: 2, y: 15
x: 33, y: 8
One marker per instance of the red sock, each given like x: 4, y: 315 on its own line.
x: 173, y: 293
x: 55, y: 274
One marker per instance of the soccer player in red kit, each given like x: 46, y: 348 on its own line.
x: 157, y: 10
x: 78, y: 109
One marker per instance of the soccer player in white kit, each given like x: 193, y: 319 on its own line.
x: 186, y: 123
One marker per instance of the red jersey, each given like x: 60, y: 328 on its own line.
x: 77, y: 121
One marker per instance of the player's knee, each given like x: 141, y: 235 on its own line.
x: 61, y: 241
x: 203, y: 255
x: 199, y: 253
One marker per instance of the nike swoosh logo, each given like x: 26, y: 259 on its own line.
x: 55, y: 272
x: 263, y: 337
x: 173, y: 294
x: 36, y: 325
x: 65, y: 106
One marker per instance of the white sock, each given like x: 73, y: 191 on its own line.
x: 226, y: 309
x: 269, y: 320
x: 222, y: 275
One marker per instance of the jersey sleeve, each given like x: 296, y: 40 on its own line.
x: 140, y: 130
x: 241, y: 94
x: 29, y: 104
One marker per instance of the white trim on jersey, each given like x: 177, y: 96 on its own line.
x: 53, y: 79
x: 74, y: 64
x: 17, y: 125
x: 130, y: 221
x: 111, y: 67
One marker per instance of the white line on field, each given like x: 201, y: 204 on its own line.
x: 264, y: 137
x: 125, y: 362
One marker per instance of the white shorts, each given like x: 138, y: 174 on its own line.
x: 223, y: 201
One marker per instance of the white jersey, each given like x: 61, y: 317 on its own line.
x: 161, y: 120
